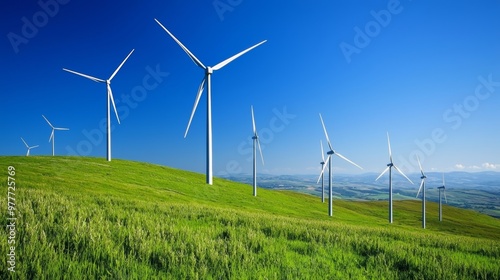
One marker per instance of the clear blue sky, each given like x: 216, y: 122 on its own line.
x: 426, y: 72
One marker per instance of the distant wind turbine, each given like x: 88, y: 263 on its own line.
x: 328, y: 160
x: 52, y: 135
x: 208, y: 73
x: 109, y: 98
x: 422, y: 188
x: 322, y: 176
x: 27, y: 146
x: 442, y: 189
x: 390, y: 165
x: 255, y: 141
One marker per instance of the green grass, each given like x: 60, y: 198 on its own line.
x: 85, y: 218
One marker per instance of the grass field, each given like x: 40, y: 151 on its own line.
x: 85, y: 218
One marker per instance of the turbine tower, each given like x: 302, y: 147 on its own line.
x: 109, y: 98
x: 207, y: 78
x: 328, y: 160
x: 422, y: 188
x: 255, y: 141
x: 390, y: 165
x: 442, y: 189
x: 52, y: 135
x: 322, y: 176
x: 28, y: 147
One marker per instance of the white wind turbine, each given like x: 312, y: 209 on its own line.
x: 328, y: 159
x: 208, y: 73
x: 109, y: 98
x: 443, y: 189
x: 422, y: 188
x: 52, y: 135
x: 390, y: 165
x: 322, y: 176
x: 27, y: 146
x: 255, y: 141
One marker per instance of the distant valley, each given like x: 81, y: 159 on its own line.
x: 479, y: 191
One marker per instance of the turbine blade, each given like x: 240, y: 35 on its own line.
x: 253, y: 122
x: 110, y: 95
x: 117, y: 69
x: 419, y: 189
x: 420, y: 165
x: 326, y: 133
x: 51, y: 135
x: 383, y: 172
x: 389, y: 145
x: 193, y: 58
x: 61, y: 128
x: 401, y: 172
x: 47, y: 121
x: 225, y: 62
x: 198, y: 96
x: 24, y: 142
x: 260, y: 150
x: 33, y: 147
x: 348, y: 160
x: 322, y: 152
x: 97, y: 80
x: 324, y: 167
x: 444, y: 192
x: 443, y: 180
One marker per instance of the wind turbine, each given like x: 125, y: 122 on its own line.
x: 52, y: 135
x: 208, y: 73
x: 328, y: 160
x: 322, y: 176
x: 443, y: 189
x: 255, y: 141
x: 390, y: 165
x: 27, y: 146
x: 422, y: 188
x: 109, y: 98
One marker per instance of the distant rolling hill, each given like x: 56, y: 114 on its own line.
x: 479, y: 191
x: 85, y: 218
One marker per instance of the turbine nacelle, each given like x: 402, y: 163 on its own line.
x: 330, y: 152
x: 209, y: 70
x: 390, y: 164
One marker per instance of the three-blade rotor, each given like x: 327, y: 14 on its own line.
x: 29, y: 147
x: 53, y: 128
x: 208, y: 70
x: 331, y: 152
x: 108, y: 82
x: 422, y: 182
x: 255, y: 136
x: 391, y: 164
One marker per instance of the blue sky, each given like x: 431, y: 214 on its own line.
x: 428, y: 73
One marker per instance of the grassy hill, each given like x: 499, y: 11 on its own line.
x: 80, y: 218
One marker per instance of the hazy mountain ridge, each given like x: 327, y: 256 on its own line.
x: 479, y: 191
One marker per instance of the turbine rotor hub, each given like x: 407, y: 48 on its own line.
x: 209, y: 70
x: 330, y: 152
